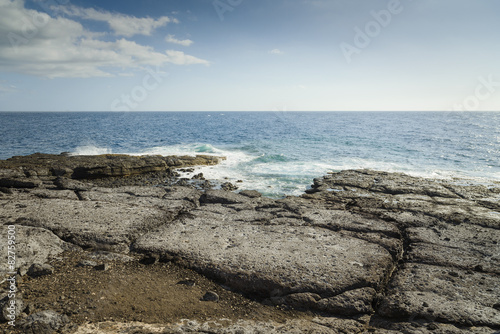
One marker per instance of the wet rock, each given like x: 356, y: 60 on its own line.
x: 228, y: 186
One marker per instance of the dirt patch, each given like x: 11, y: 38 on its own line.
x: 132, y: 291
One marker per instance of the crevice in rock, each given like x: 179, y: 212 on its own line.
x: 79, y: 195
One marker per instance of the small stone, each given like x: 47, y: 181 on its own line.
x: 425, y: 304
x: 38, y: 269
x: 186, y: 282
x: 86, y: 263
x: 210, y: 296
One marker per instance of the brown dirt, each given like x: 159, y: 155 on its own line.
x: 136, y: 292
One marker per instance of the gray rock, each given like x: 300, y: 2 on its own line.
x: 11, y: 308
x: 20, y: 183
x: 270, y: 260
x: 222, y: 197
x: 69, y: 184
x: 38, y: 269
x: 106, y: 226
x: 250, y: 193
x: 210, y: 296
x: 33, y: 245
x: 45, y: 322
x: 457, y: 296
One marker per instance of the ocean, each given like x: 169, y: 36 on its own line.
x: 277, y: 153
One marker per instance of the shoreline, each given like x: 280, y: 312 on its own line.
x: 360, y: 251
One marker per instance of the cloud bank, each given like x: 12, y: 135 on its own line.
x: 35, y: 43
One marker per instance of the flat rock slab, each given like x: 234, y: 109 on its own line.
x: 270, y: 260
x: 109, y: 226
x: 33, y: 245
x: 444, y: 294
x: 226, y: 326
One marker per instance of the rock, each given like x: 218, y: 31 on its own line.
x: 198, y: 177
x: 33, y: 245
x: 187, y: 282
x: 466, y: 300
x: 317, y: 325
x: 11, y: 308
x: 99, y: 166
x: 37, y: 270
x: 357, y: 301
x: 268, y: 260
x: 222, y: 197
x: 20, y: 183
x: 69, y: 184
x: 45, y: 322
x: 107, y: 226
x: 228, y: 186
x: 250, y: 193
x: 210, y: 296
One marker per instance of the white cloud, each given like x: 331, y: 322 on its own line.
x: 172, y: 39
x: 35, y: 43
x: 123, y: 25
x: 276, y: 52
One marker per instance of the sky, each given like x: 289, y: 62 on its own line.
x: 250, y: 55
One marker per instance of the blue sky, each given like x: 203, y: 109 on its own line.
x: 249, y: 55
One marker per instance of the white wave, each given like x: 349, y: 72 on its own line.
x: 91, y: 150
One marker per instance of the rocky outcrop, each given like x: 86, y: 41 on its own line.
x: 402, y: 253
x: 97, y: 166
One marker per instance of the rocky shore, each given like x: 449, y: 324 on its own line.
x: 118, y: 244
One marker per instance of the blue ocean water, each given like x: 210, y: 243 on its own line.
x: 277, y: 153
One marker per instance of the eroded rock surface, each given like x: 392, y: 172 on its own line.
x: 406, y: 254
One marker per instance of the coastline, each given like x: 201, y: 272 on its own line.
x: 360, y: 251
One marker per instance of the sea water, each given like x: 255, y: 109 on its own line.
x: 277, y: 153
